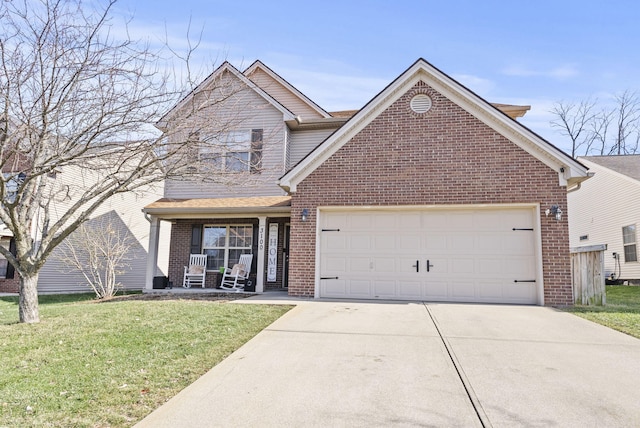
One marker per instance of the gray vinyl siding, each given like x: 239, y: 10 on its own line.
x: 255, y: 113
x: 283, y: 95
x: 303, y: 142
x: 600, y: 208
x: 126, y: 211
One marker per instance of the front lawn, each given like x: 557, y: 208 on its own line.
x: 90, y: 364
x: 622, y: 311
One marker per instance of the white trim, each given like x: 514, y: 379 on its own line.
x: 540, y: 268
x: 262, y: 223
x: 226, y: 247
x: 534, y: 207
x: 316, y: 286
x: 152, y: 251
x: 470, y: 102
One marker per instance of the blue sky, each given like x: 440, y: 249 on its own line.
x: 342, y: 53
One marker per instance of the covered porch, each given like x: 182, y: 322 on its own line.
x: 222, y: 229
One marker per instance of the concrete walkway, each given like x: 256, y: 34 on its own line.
x: 410, y: 364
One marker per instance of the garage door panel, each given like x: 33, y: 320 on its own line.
x: 333, y: 242
x: 359, y: 288
x: 462, y: 266
x: 463, y: 290
x: 475, y: 255
x: 410, y: 289
x: 359, y: 243
x: 436, y: 290
x: 520, y: 291
x: 384, y: 242
x: 384, y: 288
x: 359, y: 264
x: 333, y: 288
x: 491, y: 290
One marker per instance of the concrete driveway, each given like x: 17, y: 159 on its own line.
x: 355, y: 364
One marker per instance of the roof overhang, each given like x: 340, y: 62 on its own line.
x: 200, y: 207
x: 570, y: 172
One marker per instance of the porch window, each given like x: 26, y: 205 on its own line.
x: 3, y: 261
x: 629, y: 242
x: 223, y: 245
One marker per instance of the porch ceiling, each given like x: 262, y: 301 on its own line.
x: 175, y: 208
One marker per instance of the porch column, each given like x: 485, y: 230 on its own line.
x: 262, y: 233
x: 152, y: 254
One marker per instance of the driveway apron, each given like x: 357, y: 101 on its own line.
x: 330, y: 364
x: 539, y: 367
x: 355, y: 364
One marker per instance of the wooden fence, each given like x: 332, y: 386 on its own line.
x: 587, y: 269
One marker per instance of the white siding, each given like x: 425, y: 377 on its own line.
x: 303, y: 142
x: 126, y: 211
x: 246, y: 110
x: 283, y: 95
x: 600, y: 208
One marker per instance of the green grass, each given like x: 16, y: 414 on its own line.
x: 89, y: 364
x: 622, y: 311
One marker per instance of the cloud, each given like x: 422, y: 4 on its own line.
x: 479, y: 85
x: 561, y: 72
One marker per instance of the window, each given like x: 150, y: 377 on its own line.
x: 235, y: 151
x: 12, y: 182
x: 223, y: 245
x: 3, y: 261
x: 629, y: 242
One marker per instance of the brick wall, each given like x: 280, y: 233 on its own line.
x: 10, y: 285
x: 444, y: 156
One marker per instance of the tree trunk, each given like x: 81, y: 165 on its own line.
x: 28, y: 306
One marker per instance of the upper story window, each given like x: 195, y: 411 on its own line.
x: 13, y: 181
x: 235, y: 151
x: 629, y: 242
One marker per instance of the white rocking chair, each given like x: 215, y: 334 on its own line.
x: 234, y: 278
x: 195, y: 273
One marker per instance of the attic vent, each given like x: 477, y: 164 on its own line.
x: 421, y: 103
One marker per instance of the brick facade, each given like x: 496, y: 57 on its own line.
x: 443, y: 157
x: 10, y: 285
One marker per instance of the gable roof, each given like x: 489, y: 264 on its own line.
x: 628, y: 165
x: 570, y: 171
x: 210, y: 81
x: 259, y: 65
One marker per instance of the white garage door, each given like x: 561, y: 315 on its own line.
x: 470, y: 255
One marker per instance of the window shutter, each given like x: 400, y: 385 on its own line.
x: 10, y: 269
x: 196, y: 239
x: 256, y: 151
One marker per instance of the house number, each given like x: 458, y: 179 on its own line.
x: 272, y: 264
x: 261, y: 239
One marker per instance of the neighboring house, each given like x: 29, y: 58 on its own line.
x: 606, y: 210
x: 122, y: 211
x: 427, y: 193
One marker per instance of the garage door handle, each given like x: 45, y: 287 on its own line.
x: 429, y: 265
x: 417, y: 266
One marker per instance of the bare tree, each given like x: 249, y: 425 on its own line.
x: 612, y: 130
x: 99, y: 250
x: 75, y: 95
x: 573, y: 121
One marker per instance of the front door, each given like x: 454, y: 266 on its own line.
x: 285, y: 256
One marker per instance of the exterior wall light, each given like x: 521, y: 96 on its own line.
x: 305, y: 214
x: 555, y: 211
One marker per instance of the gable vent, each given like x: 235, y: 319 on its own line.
x: 421, y: 103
